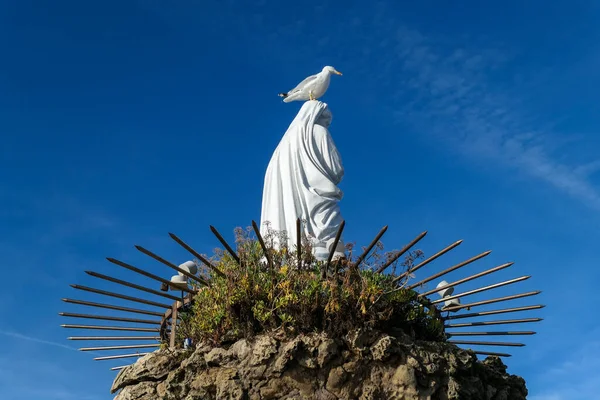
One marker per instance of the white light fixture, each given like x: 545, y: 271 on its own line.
x: 188, y: 266
x: 445, y: 293
x: 180, y: 280
x: 452, y: 303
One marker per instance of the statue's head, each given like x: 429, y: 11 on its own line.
x: 315, y: 112
x: 324, y: 119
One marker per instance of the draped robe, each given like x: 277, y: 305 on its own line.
x: 302, y: 182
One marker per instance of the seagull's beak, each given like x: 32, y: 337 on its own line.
x: 337, y: 72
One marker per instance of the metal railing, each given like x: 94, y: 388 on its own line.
x: 163, y: 328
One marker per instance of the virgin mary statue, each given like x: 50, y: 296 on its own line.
x: 302, y: 182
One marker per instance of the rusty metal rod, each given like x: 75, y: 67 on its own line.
x: 133, y: 346
x: 401, y: 252
x: 148, y: 274
x: 262, y: 244
x: 225, y: 244
x: 508, y: 333
x: 113, y: 338
x: 111, y: 328
x: 493, y: 312
x: 120, y: 356
x: 338, y: 236
x: 365, y: 253
x: 482, y: 289
x: 491, y: 353
x: 427, y: 261
x: 496, y: 300
x: 171, y: 265
x: 453, y: 268
x: 112, y: 307
x: 497, y: 322
x: 120, y: 296
x: 486, y: 343
x: 197, y: 255
x: 131, y: 285
x: 467, y: 279
x: 173, y: 325
x: 107, y: 318
x: 299, y: 242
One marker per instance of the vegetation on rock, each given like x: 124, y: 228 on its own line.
x: 290, y: 296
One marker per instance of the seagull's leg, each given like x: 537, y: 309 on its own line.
x: 310, y: 95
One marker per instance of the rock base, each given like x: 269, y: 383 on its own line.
x: 364, y: 366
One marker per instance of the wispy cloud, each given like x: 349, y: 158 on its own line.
x: 16, y: 380
x: 575, y: 378
x: 21, y: 336
x: 449, y: 92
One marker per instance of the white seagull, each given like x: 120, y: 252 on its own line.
x: 312, y: 87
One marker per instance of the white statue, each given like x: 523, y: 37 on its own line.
x: 301, y: 182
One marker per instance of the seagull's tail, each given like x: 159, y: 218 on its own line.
x: 283, y: 95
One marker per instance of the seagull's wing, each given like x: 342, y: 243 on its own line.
x: 303, y: 84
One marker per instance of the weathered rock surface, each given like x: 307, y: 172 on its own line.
x: 366, y: 366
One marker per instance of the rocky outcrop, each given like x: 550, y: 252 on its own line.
x: 359, y: 366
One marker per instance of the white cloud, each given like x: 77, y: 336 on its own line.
x: 52, y: 382
x: 575, y: 378
x: 449, y: 94
x: 20, y: 336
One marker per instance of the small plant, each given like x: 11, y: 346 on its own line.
x: 289, y: 296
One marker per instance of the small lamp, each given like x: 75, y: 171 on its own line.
x: 445, y: 293
x: 180, y: 280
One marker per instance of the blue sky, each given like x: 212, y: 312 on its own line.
x: 123, y: 120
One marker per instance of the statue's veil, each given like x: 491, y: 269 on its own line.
x: 302, y: 178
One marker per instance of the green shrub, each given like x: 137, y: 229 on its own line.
x: 287, y: 297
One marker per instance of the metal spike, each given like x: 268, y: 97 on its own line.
x: 148, y: 274
x: 498, y: 322
x: 427, y: 261
x: 197, y: 255
x: 225, y: 244
x: 113, y: 338
x: 112, y: 307
x: 107, y: 318
x: 467, y: 279
x: 131, y: 285
x: 453, y: 268
x: 119, y: 368
x: 482, y: 289
x: 493, y: 312
x: 171, y: 265
x: 486, y: 343
x: 120, y: 296
x: 120, y: 356
x: 262, y: 244
x: 338, y: 236
x: 111, y: 328
x: 497, y: 300
x: 133, y: 346
x: 362, y: 257
x: 491, y: 353
x: 401, y: 252
x: 508, y: 333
